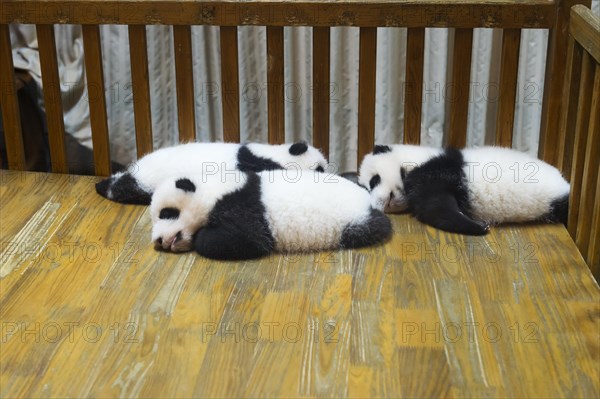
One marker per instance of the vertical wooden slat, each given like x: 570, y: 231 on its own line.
x: 97, y: 100
x: 276, y: 105
x: 184, y: 74
x: 230, y: 84
x: 579, y: 146
x: 321, y: 55
x: 138, y: 54
x: 366, y: 91
x: 511, y: 40
x: 460, y: 85
x: 413, y: 93
x: 590, y: 169
x: 10, y: 105
x: 569, y: 108
x: 593, y: 255
x: 553, y: 81
x: 52, y: 98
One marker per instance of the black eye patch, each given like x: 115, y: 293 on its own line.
x: 381, y: 149
x: 320, y: 169
x: 375, y: 180
x: 169, y: 213
x: 403, y: 173
x: 185, y: 185
x: 298, y: 148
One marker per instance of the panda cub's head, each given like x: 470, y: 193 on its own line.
x: 177, y: 214
x: 382, y: 173
x: 299, y: 155
x: 307, y: 156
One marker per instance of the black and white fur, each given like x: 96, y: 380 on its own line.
x: 136, y: 185
x: 249, y: 215
x: 464, y: 191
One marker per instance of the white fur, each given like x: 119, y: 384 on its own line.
x: 194, y: 207
x: 504, y: 185
x: 387, y: 166
x: 212, y: 158
x: 311, y: 159
x: 306, y: 211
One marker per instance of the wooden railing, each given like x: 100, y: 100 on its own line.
x: 579, y: 139
x: 464, y: 15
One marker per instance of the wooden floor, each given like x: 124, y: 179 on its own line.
x: 89, y: 308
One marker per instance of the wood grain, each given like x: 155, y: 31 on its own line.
x: 391, y: 13
x: 52, y: 98
x: 138, y: 54
x: 96, y: 98
x: 230, y: 86
x: 366, y: 91
x: 275, y: 77
x: 413, y: 93
x: 568, y: 107
x: 321, y: 89
x: 585, y: 27
x: 10, y: 105
x: 459, y: 88
x: 593, y: 254
x: 184, y: 76
x: 580, y: 144
x: 511, y: 40
x: 553, y: 81
x: 591, y: 166
x: 90, y: 309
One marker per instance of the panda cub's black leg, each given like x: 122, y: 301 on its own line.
x: 441, y: 211
x: 230, y: 243
x: 123, y: 189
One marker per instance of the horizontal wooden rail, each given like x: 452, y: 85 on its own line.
x: 390, y: 13
x: 584, y: 27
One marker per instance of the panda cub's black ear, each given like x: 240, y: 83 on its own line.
x: 298, y: 148
x: 381, y: 149
x: 186, y: 185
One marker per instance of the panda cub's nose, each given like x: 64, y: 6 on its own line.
x: 168, y: 243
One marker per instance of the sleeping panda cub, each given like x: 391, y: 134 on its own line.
x: 135, y: 186
x: 247, y: 215
x: 464, y: 191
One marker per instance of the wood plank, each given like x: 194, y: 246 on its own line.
x: 580, y: 144
x: 52, y: 98
x: 230, y: 86
x: 413, y: 93
x: 92, y: 310
x: 459, y: 88
x: 593, y: 255
x: 366, y: 91
x: 96, y: 98
x: 275, y: 80
x: 184, y: 75
x: 10, y: 105
x: 569, y: 108
x: 590, y: 169
x: 511, y: 40
x: 585, y: 27
x: 138, y: 54
x: 553, y: 81
x: 392, y: 13
x: 321, y: 88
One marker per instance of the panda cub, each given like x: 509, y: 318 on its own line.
x: 135, y: 186
x: 247, y: 215
x: 464, y: 191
